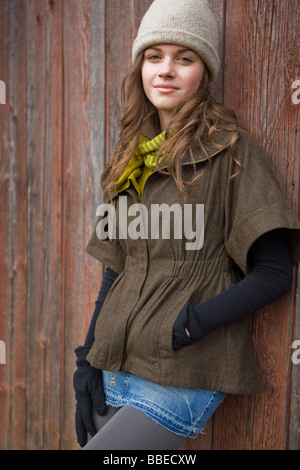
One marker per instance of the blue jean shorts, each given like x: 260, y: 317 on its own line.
x: 184, y: 411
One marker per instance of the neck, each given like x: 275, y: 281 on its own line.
x: 164, y: 119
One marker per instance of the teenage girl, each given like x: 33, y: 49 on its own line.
x: 170, y: 334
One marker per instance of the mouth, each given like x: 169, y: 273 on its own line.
x: 166, y: 88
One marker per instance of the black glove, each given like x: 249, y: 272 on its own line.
x: 87, y: 380
x: 180, y: 337
x: 89, y: 394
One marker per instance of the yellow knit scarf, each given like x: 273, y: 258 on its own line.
x: 141, y: 165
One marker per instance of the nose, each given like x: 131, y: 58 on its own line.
x: 166, y: 69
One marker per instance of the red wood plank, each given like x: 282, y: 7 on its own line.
x: 44, y: 187
x: 294, y: 403
x: 19, y: 228
x: 5, y: 258
x: 53, y: 201
x: 84, y: 150
x: 14, y: 217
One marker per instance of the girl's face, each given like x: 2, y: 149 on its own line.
x: 169, y: 74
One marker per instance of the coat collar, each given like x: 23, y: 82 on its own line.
x: 221, y: 138
x: 221, y: 141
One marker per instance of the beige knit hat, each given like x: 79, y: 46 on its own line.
x: 189, y: 23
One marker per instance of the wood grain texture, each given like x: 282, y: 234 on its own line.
x: 294, y: 405
x: 5, y: 252
x: 83, y: 155
x: 13, y: 228
x: 44, y: 219
x: 63, y: 63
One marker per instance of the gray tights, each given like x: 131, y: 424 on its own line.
x: 129, y: 429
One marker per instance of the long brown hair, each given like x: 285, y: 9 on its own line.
x: 199, y: 112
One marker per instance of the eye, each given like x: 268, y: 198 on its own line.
x: 153, y: 57
x: 186, y: 60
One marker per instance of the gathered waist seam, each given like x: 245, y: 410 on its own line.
x: 181, y: 268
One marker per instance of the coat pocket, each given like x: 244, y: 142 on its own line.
x: 166, y: 327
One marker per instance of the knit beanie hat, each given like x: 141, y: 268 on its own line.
x: 188, y: 23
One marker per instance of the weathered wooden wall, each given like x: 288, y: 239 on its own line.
x: 62, y: 63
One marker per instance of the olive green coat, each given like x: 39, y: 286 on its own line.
x: 157, y: 277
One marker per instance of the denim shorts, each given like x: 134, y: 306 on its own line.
x: 184, y: 411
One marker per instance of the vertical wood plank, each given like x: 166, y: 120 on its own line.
x: 44, y: 79
x: 36, y: 223
x: 52, y: 288
x: 13, y: 160
x: 17, y: 210
x: 84, y: 148
x: 294, y: 405
x: 294, y: 120
x: 5, y: 256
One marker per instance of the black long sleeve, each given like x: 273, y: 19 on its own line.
x: 107, y: 281
x: 270, y: 277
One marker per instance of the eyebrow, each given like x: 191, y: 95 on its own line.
x: 155, y: 48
